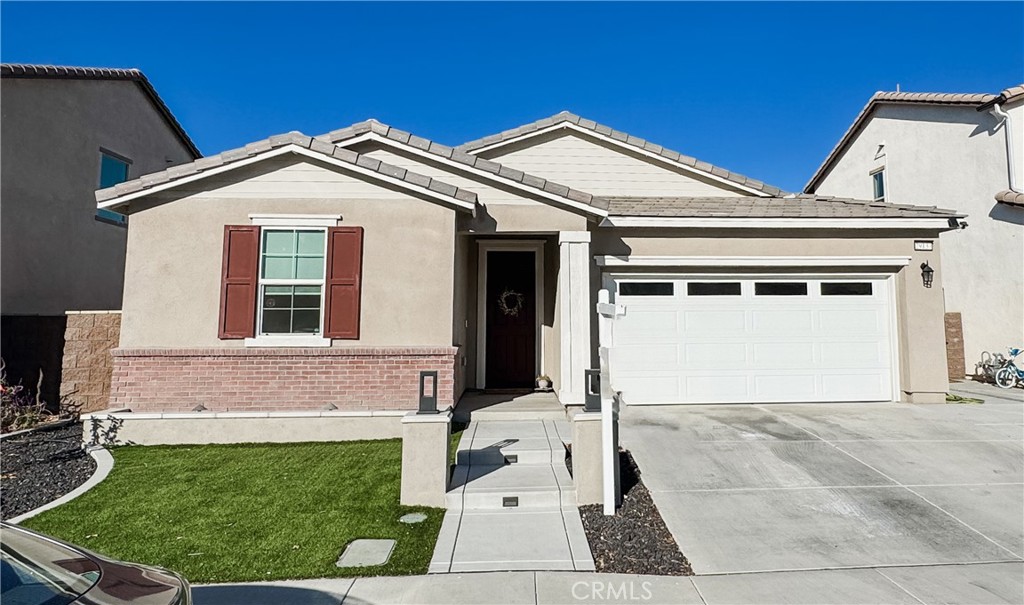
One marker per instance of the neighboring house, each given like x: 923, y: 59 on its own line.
x: 963, y: 151
x: 302, y: 273
x: 66, y: 132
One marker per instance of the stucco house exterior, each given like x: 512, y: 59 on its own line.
x: 304, y: 273
x: 66, y: 132
x: 964, y: 151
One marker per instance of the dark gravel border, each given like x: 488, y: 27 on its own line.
x: 41, y: 466
x: 635, y: 540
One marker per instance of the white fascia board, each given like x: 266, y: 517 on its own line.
x: 626, y: 146
x: 777, y: 223
x: 299, y: 151
x: 752, y: 261
x: 482, y: 173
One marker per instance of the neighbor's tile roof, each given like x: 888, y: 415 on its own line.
x: 797, y: 206
x: 1013, y: 198
x: 63, y: 72
x: 291, y: 138
x: 622, y: 137
x: 451, y: 153
x: 909, y: 98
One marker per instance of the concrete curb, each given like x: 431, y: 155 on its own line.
x: 104, y: 464
x: 56, y: 424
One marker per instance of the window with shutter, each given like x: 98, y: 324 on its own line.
x: 343, y: 282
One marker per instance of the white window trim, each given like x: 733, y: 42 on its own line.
x: 286, y: 222
x: 885, y: 184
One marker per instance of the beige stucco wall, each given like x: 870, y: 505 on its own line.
x: 589, y: 164
x: 54, y: 255
x: 172, y: 284
x: 919, y: 310
x: 951, y: 157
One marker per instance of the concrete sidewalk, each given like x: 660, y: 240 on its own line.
x: 991, y: 583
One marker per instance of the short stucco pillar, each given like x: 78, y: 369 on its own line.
x: 575, y: 309
x: 425, y: 442
x: 587, y: 475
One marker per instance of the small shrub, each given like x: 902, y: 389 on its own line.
x: 19, y: 409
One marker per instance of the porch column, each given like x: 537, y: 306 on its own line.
x: 575, y: 307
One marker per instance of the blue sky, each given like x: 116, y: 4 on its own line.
x: 763, y: 89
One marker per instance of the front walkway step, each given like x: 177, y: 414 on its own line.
x: 512, y: 504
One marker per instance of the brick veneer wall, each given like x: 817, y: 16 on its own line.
x: 955, y: 363
x: 278, y: 379
x: 87, y: 365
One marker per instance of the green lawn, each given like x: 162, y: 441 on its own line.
x: 228, y: 513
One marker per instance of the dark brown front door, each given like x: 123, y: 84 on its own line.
x: 511, y: 320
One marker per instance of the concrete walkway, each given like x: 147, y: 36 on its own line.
x: 993, y: 583
x: 512, y: 505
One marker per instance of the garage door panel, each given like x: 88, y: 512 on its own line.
x: 783, y: 354
x: 790, y: 322
x: 705, y: 322
x: 757, y: 349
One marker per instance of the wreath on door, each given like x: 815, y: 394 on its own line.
x: 510, y: 302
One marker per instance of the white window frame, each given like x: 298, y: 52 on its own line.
x: 294, y: 222
x: 885, y: 185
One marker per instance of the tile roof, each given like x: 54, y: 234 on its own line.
x: 909, y: 98
x: 62, y: 72
x: 566, y: 117
x: 1012, y: 93
x: 794, y: 206
x: 1013, y: 198
x: 281, y: 140
x: 451, y: 153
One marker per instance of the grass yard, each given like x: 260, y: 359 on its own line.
x: 230, y: 513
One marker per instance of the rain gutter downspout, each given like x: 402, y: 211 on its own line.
x: 1004, y: 118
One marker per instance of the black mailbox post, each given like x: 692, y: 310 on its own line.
x: 592, y: 398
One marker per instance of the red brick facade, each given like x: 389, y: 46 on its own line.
x: 278, y: 379
x: 955, y: 362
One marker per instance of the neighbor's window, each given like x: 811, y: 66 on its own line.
x: 113, y: 170
x: 878, y: 185
x: 292, y: 281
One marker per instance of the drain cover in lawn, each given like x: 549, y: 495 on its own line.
x: 413, y: 518
x: 364, y: 553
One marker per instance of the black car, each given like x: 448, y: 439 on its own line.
x: 39, y: 570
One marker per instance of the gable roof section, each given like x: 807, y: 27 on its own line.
x: 566, y: 119
x: 796, y: 206
x: 21, y: 70
x: 292, y: 142
x: 374, y: 130
x: 894, y: 98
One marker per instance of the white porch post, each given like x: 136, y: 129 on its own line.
x: 574, y: 316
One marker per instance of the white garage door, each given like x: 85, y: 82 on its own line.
x: 751, y: 339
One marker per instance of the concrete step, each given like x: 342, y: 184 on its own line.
x: 512, y: 451
x: 496, y: 487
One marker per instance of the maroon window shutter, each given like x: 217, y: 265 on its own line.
x: 238, y: 281
x: 344, y: 281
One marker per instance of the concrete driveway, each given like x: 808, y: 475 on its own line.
x: 799, y: 487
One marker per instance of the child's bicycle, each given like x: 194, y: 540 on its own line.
x: 1009, y: 375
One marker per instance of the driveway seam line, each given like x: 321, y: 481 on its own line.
x: 810, y: 487
x: 699, y: 593
x: 898, y: 585
x: 853, y: 567
x: 899, y: 484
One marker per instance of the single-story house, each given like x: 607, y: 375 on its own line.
x: 303, y: 273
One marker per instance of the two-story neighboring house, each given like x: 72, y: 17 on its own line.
x: 68, y: 131
x: 962, y: 151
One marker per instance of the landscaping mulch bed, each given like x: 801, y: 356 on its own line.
x: 40, y: 466
x: 635, y: 540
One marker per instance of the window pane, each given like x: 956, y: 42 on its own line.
x: 307, y: 290
x: 276, y: 267
x: 878, y: 183
x: 777, y: 288
x: 279, y: 242
x: 306, y: 322
x: 636, y: 288
x: 309, y: 268
x: 112, y: 171
x: 714, y: 288
x: 846, y: 289
x: 275, y: 321
x: 277, y: 298
x: 307, y: 301
x: 311, y: 242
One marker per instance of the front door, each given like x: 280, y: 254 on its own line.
x: 511, y: 319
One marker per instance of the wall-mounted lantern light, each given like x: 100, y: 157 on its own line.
x: 927, y: 274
